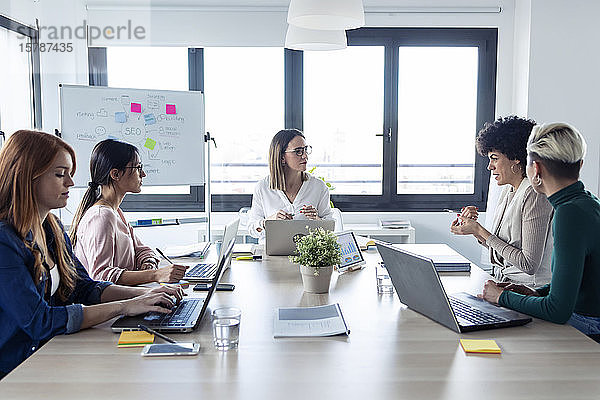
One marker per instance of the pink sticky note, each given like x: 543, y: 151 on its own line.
x: 136, y: 107
x: 171, y: 109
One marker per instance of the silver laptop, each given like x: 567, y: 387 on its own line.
x: 280, y: 234
x: 419, y: 287
x: 205, y: 272
x: 352, y: 257
x: 185, y: 317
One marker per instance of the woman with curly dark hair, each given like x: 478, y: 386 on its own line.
x: 520, y: 243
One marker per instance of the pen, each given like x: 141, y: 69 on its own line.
x: 249, y: 257
x: 152, y: 331
x: 163, y: 256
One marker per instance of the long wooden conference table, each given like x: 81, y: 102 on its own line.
x: 392, y: 352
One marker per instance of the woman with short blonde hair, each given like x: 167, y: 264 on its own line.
x: 555, y: 156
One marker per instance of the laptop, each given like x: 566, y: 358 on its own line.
x: 352, y: 257
x: 185, y: 317
x: 205, y: 272
x: 280, y: 234
x: 419, y: 287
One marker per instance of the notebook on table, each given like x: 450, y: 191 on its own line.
x: 280, y: 234
x: 418, y: 285
x: 186, y: 315
x: 444, y: 257
x: 205, y: 272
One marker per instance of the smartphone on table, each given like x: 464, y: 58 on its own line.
x: 220, y: 286
x: 171, y: 349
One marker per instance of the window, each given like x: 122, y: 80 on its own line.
x: 437, y: 111
x: 343, y: 111
x: 19, y: 76
x: 244, y: 109
x: 392, y: 119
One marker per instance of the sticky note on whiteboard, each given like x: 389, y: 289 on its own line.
x: 136, y: 107
x: 171, y: 109
x: 149, y: 119
x: 150, y: 144
x: 120, y: 117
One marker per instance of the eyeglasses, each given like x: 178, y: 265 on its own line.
x: 139, y: 167
x: 300, y: 151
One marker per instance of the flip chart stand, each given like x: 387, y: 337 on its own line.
x: 207, y: 196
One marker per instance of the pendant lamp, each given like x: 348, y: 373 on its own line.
x: 311, y: 39
x: 326, y: 14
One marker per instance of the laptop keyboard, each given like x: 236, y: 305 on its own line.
x: 177, y: 318
x: 204, y: 271
x: 473, y: 315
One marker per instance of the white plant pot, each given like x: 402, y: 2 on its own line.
x: 316, y: 283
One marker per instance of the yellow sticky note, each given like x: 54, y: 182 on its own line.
x: 135, y: 339
x: 480, y: 346
x: 150, y: 144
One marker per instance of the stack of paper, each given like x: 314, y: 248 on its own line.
x: 397, y: 224
x: 135, y: 339
x: 480, y: 346
x: 244, y: 249
x: 444, y: 257
x: 192, y: 250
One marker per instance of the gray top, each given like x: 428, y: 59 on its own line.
x: 521, y: 243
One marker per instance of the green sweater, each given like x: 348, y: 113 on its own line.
x: 575, y: 284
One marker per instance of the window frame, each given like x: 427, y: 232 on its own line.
x: 34, y: 58
x: 486, y: 39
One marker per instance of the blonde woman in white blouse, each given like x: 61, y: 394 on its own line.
x: 520, y: 243
x: 289, y: 192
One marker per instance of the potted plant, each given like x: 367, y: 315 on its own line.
x: 318, y: 252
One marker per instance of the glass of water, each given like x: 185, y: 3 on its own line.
x: 384, y: 283
x: 226, y: 327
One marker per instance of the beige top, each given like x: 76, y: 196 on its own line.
x: 521, y: 243
x: 107, y: 246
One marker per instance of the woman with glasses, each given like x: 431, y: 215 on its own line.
x: 44, y: 289
x: 555, y: 155
x: 289, y: 192
x: 104, y: 241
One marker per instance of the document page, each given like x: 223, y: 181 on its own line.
x: 310, y: 321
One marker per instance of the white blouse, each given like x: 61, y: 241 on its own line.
x: 266, y: 202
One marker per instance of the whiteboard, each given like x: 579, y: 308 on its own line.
x: 166, y: 126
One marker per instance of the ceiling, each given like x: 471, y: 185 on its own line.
x: 285, y: 3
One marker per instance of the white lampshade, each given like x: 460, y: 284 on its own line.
x: 310, y: 39
x: 326, y: 14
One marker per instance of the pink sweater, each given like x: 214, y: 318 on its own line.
x: 107, y: 246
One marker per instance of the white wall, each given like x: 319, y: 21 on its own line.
x: 564, y: 64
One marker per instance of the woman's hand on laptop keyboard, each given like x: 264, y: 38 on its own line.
x: 152, y: 301
x: 175, y: 292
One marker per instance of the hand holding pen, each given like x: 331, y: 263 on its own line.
x: 281, y: 214
x: 172, y: 273
x: 309, y: 212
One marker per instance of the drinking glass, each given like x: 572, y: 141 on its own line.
x: 384, y: 283
x: 226, y: 327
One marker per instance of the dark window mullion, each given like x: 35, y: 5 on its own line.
x: 36, y: 85
x: 294, y: 95
x: 390, y: 149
